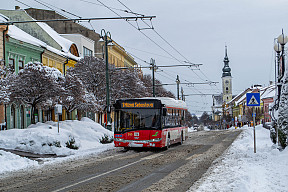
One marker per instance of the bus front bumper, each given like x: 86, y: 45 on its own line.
x: 138, y: 143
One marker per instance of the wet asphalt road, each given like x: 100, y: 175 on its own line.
x: 175, y: 169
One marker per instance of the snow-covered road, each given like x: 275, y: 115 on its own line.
x: 238, y: 169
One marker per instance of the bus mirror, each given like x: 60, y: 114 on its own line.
x: 164, y: 111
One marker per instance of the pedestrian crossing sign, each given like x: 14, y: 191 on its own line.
x: 253, y: 99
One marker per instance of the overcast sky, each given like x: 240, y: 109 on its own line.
x: 198, y: 30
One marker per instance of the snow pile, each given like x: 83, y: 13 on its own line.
x: 240, y: 169
x: 43, y: 138
x: 191, y: 129
x: 11, y: 162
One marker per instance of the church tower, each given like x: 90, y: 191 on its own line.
x: 226, y: 79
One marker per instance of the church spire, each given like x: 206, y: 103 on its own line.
x: 226, y: 69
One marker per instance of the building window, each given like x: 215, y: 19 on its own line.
x: 87, y: 52
x: 21, y: 64
x: 12, y: 63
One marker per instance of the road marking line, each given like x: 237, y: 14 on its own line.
x: 94, y: 177
x: 69, y: 186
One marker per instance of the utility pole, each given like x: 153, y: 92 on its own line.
x: 104, y: 36
x: 153, y: 68
x: 178, y: 82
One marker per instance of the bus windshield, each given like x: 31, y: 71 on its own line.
x: 128, y: 119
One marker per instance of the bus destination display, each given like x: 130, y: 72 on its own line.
x: 137, y: 105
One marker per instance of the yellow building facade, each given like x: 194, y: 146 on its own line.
x: 119, y: 57
x: 62, y: 63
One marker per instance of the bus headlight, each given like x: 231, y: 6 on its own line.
x: 118, y: 139
x: 156, y: 140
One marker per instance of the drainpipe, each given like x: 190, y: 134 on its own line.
x: 5, y: 107
x: 64, y: 66
x: 41, y: 58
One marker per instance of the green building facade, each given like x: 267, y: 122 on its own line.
x: 17, y: 54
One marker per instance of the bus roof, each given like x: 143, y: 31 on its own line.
x: 169, y: 102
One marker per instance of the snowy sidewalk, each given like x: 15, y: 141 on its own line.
x: 239, y: 169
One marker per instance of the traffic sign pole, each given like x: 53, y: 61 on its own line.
x: 254, y: 114
x: 253, y: 99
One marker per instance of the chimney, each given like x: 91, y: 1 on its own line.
x: 271, y: 82
x: 17, y: 7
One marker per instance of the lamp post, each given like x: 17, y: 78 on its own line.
x: 105, y: 35
x: 277, y: 49
x: 282, y: 40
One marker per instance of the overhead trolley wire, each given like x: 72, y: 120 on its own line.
x: 187, y: 60
x: 139, y: 31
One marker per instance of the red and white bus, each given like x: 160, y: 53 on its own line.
x: 149, y: 122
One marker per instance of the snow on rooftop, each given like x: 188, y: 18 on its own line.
x: 241, y: 99
x: 3, y: 18
x: 19, y: 34
x: 63, y: 42
x: 63, y: 54
x: 268, y: 92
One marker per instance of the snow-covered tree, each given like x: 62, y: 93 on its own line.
x: 283, y: 115
x: 35, y: 85
x: 122, y: 83
x: 89, y: 103
x: 126, y: 84
x: 76, y: 96
x: 6, y: 77
x: 91, y: 71
x: 159, y: 89
x: 73, y: 93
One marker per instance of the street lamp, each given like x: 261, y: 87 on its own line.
x: 277, y: 49
x: 282, y: 40
x: 106, y: 36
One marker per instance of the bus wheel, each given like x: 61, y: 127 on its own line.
x: 168, y: 142
x: 126, y: 148
x: 181, y: 141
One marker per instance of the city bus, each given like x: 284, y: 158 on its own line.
x: 149, y: 122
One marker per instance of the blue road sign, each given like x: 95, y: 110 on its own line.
x: 253, y: 99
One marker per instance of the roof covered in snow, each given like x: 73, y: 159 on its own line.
x: 19, y: 34
x: 63, y: 42
x: 60, y: 45
x: 169, y: 102
x: 3, y: 18
x: 268, y: 92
